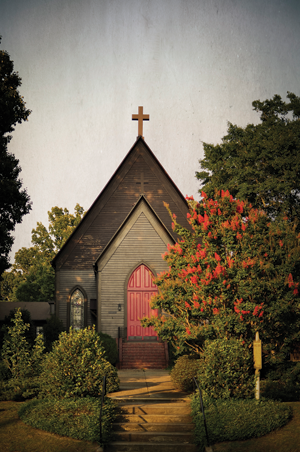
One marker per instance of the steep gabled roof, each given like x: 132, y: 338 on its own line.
x: 116, y: 200
x: 142, y: 206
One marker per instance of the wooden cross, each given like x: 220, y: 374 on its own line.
x: 142, y: 182
x: 140, y: 117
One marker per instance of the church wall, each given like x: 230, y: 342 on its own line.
x: 66, y: 281
x: 142, y: 244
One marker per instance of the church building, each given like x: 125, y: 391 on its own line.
x: 104, y: 270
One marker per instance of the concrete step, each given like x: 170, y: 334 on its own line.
x: 173, y: 398
x: 174, y: 408
x: 155, y: 418
x: 154, y: 427
x: 156, y: 437
x: 118, y: 446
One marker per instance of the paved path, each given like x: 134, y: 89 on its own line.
x: 146, y: 383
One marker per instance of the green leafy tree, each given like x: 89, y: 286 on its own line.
x: 22, y: 359
x: 259, y: 163
x: 14, y: 201
x: 234, y: 273
x: 32, y: 277
x: 76, y: 365
x: 19, y: 356
x: 26, y: 317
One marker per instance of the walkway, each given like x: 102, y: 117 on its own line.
x: 146, y: 383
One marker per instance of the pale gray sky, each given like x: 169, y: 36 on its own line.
x: 86, y: 66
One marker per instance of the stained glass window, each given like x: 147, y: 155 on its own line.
x: 77, y: 310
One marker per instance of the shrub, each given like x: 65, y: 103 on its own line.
x: 232, y: 420
x: 5, y: 373
x: 76, y: 418
x: 76, y: 365
x: 227, y: 370
x: 51, y: 330
x: 283, y: 383
x: 19, y: 389
x: 185, y: 369
x: 110, y: 347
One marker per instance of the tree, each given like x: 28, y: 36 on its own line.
x: 22, y: 359
x: 14, y: 201
x: 19, y: 356
x: 26, y: 318
x: 32, y: 277
x: 260, y: 163
x: 234, y: 273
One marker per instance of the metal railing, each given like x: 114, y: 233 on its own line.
x: 101, y: 406
x: 202, y: 409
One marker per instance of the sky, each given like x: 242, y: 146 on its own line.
x: 86, y: 66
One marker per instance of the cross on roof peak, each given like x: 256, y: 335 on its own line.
x: 140, y: 117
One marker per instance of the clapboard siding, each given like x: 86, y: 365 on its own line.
x: 66, y: 281
x: 116, y: 201
x: 142, y: 243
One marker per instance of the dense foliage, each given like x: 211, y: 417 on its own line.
x: 26, y: 317
x: 21, y: 359
x: 234, y: 273
x: 14, y: 200
x: 184, y: 371
x: 282, y: 383
x: 110, y: 348
x: 237, y: 419
x: 76, y: 418
x: 32, y: 277
x: 260, y: 163
x: 226, y: 370
x: 51, y: 331
x: 76, y: 366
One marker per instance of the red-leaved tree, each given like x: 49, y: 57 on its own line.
x: 234, y: 273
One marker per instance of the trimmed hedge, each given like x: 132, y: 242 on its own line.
x: 185, y: 369
x: 237, y: 419
x: 75, y: 418
x: 227, y: 369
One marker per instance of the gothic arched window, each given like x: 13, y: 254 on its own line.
x: 77, y: 310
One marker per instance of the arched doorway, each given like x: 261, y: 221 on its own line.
x: 139, y: 291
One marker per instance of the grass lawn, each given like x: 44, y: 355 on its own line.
x: 286, y: 439
x: 15, y: 436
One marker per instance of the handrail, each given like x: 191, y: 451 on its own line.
x: 102, y: 402
x: 202, y: 408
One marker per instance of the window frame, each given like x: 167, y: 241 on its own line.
x: 80, y: 288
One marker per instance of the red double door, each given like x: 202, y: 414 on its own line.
x: 139, y: 291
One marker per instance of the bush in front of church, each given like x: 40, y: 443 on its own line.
x: 110, y: 347
x: 185, y: 370
x: 76, y: 366
x: 226, y: 370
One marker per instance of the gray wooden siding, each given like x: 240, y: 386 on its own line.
x: 66, y: 281
x: 142, y: 244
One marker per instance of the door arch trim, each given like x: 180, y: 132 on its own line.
x: 133, y: 269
